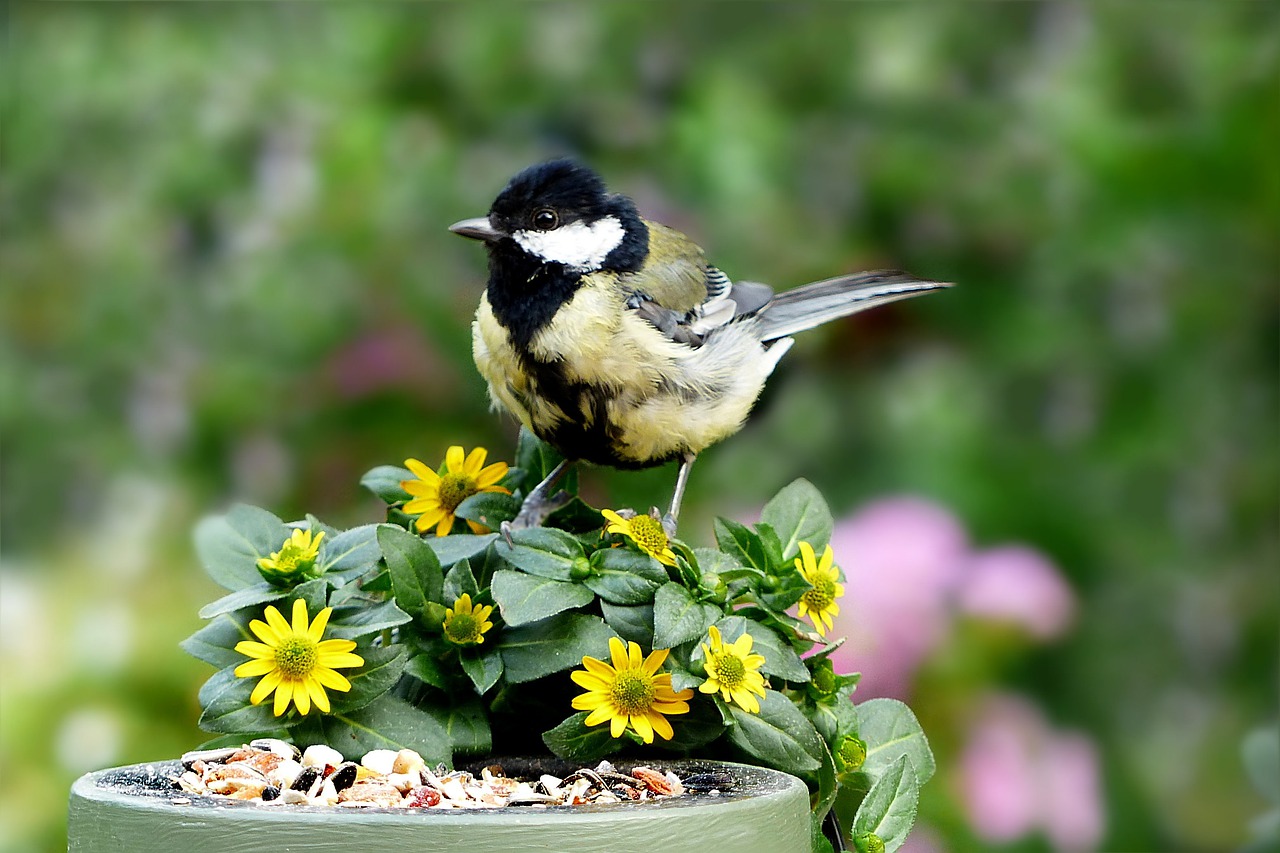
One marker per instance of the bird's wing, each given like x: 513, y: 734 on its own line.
x: 682, y: 295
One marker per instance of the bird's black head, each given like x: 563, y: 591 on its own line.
x: 559, y: 212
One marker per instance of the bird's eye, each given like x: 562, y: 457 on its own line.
x: 545, y: 219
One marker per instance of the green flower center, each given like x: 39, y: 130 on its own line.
x: 729, y: 670
x: 648, y: 533
x: 454, y: 489
x: 632, y: 692
x: 821, y: 596
x: 296, y: 657
x: 462, y: 628
x: 293, y: 557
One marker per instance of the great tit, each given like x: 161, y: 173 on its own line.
x: 613, y: 339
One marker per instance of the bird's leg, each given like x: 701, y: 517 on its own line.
x: 682, y: 479
x: 539, y: 503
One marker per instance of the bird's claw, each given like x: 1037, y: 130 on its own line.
x: 669, y: 525
x: 533, y: 512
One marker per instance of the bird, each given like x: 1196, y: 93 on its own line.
x: 613, y: 339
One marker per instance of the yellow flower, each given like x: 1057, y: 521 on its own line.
x: 295, y: 559
x: 293, y: 660
x: 733, y: 670
x: 465, y: 625
x: 436, y: 496
x: 824, y: 578
x: 644, y: 530
x: 629, y: 693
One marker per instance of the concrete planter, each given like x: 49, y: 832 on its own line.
x: 133, y: 809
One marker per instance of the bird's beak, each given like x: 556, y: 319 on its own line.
x: 477, y: 229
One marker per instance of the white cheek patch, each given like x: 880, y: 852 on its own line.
x: 575, y: 245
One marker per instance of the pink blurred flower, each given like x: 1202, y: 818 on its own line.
x: 1018, y: 775
x: 1016, y: 584
x: 902, y: 557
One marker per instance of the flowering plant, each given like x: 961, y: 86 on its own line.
x: 457, y: 640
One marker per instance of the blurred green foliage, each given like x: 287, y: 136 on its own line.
x: 226, y: 275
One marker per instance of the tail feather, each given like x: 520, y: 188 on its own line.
x: 824, y: 301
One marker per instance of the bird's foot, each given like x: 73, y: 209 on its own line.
x: 533, y: 512
x: 669, y: 525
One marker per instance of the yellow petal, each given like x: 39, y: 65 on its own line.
x: 655, y: 660
x: 339, y: 661
x: 252, y: 668
x: 640, y: 722
x: 422, y: 472
x: 617, y: 724
x: 475, y: 461
x: 299, y: 617
x: 454, y: 459
x: 446, y: 524
x: 429, y: 519
x: 328, y: 647
x: 634, y: 657
x: 589, y: 701
x: 806, y: 559
x: 716, y: 641
x: 589, y: 680
x: 317, y: 626
x: 269, y: 682
x: 746, y: 701
x: 598, y: 716
x: 613, y: 518
x: 492, y: 474
x: 742, y: 646
x: 618, y: 652
x: 600, y: 668
x: 661, y: 726
x: 283, y: 694
x: 332, y: 680
x: 753, y: 661
x: 709, y: 686
x: 256, y: 650
x: 317, y: 694
x: 825, y: 563
x: 302, y: 697
x: 277, y: 623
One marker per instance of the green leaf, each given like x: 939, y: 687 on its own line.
x: 351, y: 553
x: 227, y: 710
x: 625, y: 577
x: 574, y: 740
x: 834, y: 718
x: 634, y: 624
x: 528, y: 598
x: 483, y: 665
x: 314, y: 592
x: 460, y: 580
x: 719, y: 563
x: 678, y: 617
x: 384, y: 481
x: 388, y: 723
x: 891, y: 731
x: 694, y: 730
x: 259, y: 593
x: 215, y: 643
x: 823, y: 799
x: 779, y: 736
x: 381, y: 671
x: 779, y: 658
x: 468, y: 728
x: 798, y: 514
x: 460, y: 546
x: 415, y: 570
x: 489, y: 509
x: 743, y: 545
x: 889, y: 809
x: 543, y: 551
x: 350, y: 622
x: 229, y: 546
x: 427, y: 669
x: 552, y: 645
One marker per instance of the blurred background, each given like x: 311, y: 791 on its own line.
x: 227, y: 276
